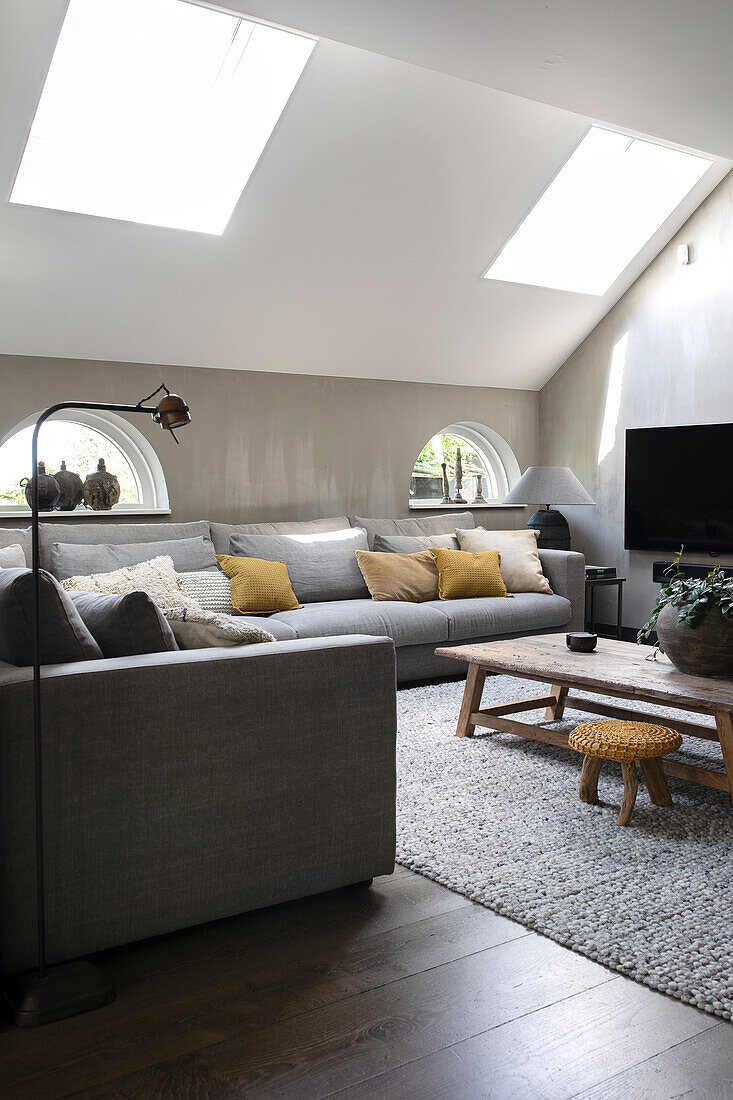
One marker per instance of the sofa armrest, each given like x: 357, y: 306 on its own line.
x: 565, y: 570
x: 183, y: 787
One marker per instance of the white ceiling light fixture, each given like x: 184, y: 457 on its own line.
x: 609, y: 198
x: 156, y: 111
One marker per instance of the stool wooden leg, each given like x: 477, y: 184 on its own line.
x: 630, y: 788
x: 589, y: 779
x: 656, y: 782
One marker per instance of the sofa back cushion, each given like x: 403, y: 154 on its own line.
x: 413, y: 544
x: 222, y: 532
x: 427, y: 525
x: 188, y: 556
x: 64, y: 637
x: 322, y: 566
x: 123, y: 625
x: 113, y: 534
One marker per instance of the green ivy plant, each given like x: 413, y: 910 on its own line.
x: 693, y: 597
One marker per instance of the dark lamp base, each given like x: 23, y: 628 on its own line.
x: 65, y: 991
x: 553, y: 529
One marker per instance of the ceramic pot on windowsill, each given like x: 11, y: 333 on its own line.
x: 101, y: 489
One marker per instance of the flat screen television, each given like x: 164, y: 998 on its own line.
x: 679, y: 488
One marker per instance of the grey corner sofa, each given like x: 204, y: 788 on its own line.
x: 187, y: 786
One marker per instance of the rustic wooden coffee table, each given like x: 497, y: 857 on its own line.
x: 615, y: 668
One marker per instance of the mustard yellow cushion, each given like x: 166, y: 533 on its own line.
x: 464, y: 576
x: 258, y: 586
x: 410, y: 578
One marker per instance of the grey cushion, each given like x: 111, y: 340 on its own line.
x: 481, y: 618
x: 13, y: 536
x: 427, y: 525
x: 405, y: 623
x: 75, y: 560
x: 222, y: 532
x: 124, y: 625
x: 64, y: 637
x: 412, y: 544
x: 12, y: 557
x: 321, y: 568
x: 115, y: 534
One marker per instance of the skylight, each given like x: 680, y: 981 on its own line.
x: 602, y: 207
x: 156, y: 111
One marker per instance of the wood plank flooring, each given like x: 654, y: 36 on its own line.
x: 405, y: 990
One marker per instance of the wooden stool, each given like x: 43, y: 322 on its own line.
x: 630, y: 743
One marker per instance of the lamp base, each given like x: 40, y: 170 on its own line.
x: 66, y: 991
x: 553, y: 529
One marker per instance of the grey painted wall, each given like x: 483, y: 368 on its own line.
x: 677, y: 323
x: 276, y: 446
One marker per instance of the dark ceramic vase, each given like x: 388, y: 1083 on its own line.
x: 101, y: 490
x: 72, y: 489
x: 705, y: 651
x: 48, y: 490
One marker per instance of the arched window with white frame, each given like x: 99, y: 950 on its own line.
x: 484, y: 454
x: 79, y: 438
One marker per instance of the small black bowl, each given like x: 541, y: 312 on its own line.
x: 581, y: 641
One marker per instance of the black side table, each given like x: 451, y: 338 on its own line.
x: 591, y: 583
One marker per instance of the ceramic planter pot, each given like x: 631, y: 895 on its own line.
x: 101, y: 489
x: 72, y: 489
x: 705, y: 651
x: 48, y: 490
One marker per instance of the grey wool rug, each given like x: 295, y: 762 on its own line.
x: 498, y: 819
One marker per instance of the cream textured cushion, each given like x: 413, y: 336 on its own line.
x: 157, y: 578
x: 197, y: 629
x: 210, y: 589
x: 12, y: 557
x: 521, y: 568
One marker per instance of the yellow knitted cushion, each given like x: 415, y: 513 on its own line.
x: 625, y: 741
x: 258, y: 586
x: 463, y: 576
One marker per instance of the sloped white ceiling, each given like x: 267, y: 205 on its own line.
x: 356, y: 249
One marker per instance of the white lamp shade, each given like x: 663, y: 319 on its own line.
x: 548, y: 485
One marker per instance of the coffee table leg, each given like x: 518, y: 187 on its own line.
x: 472, y: 692
x: 724, y: 723
x: 556, y: 710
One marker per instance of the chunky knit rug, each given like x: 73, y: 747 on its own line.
x: 498, y: 819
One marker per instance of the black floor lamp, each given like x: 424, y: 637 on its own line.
x: 44, y: 995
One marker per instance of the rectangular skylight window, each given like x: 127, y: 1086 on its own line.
x: 156, y: 111
x: 602, y: 207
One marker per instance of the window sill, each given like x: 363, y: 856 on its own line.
x: 436, y: 506
x: 25, y: 513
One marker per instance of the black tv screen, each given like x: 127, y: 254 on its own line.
x: 679, y: 488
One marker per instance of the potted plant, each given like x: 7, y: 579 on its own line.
x: 694, y: 622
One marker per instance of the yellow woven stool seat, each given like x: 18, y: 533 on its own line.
x: 624, y: 741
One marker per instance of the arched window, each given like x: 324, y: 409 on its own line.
x: 80, y: 438
x: 483, y: 452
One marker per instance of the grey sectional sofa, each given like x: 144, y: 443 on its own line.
x: 187, y: 786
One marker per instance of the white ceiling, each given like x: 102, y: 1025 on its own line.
x: 358, y: 246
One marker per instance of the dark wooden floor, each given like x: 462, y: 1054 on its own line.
x: 402, y: 991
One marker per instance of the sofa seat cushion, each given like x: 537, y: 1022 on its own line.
x: 482, y: 618
x: 404, y: 623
